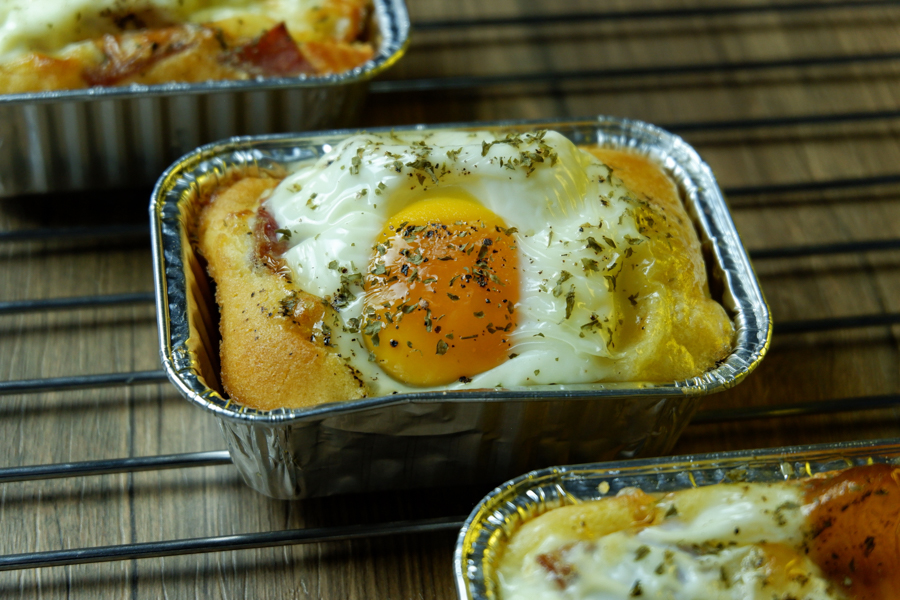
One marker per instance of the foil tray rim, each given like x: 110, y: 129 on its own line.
x: 710, y: 382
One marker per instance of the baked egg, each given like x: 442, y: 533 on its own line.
x: 457, y: 259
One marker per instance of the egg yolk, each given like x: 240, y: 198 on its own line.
x: 441, y: 291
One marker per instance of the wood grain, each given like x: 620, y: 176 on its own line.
x: 153, y: 419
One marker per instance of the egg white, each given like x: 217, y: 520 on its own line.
x: 335, y: 208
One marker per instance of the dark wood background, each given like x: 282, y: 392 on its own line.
x: 745, y: 88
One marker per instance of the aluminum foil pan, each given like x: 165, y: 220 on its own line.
x: 126, y: 136
x: 438, y: 438
x: 489, y: 527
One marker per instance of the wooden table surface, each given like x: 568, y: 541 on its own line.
x: 743, y: 87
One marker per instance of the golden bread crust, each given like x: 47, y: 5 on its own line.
x: 268, y: 357
x: 39, y: 73
x: 700, y: 332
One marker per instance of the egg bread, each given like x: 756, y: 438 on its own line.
x: 354, y: 277
x: 834, y: 536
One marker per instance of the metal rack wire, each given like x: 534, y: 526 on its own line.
x: 741, y: 198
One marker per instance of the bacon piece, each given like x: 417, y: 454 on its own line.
x: 129, y: 54
x: 562, y: 573
x: 274, y: 54
x: 269, y: 248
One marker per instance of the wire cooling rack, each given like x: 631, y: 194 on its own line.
x: 773, y: 194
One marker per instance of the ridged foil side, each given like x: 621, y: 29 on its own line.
x: 438, y: 438
x: 443, y: 444
x: 123, y: 137
x: 491, y: 524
